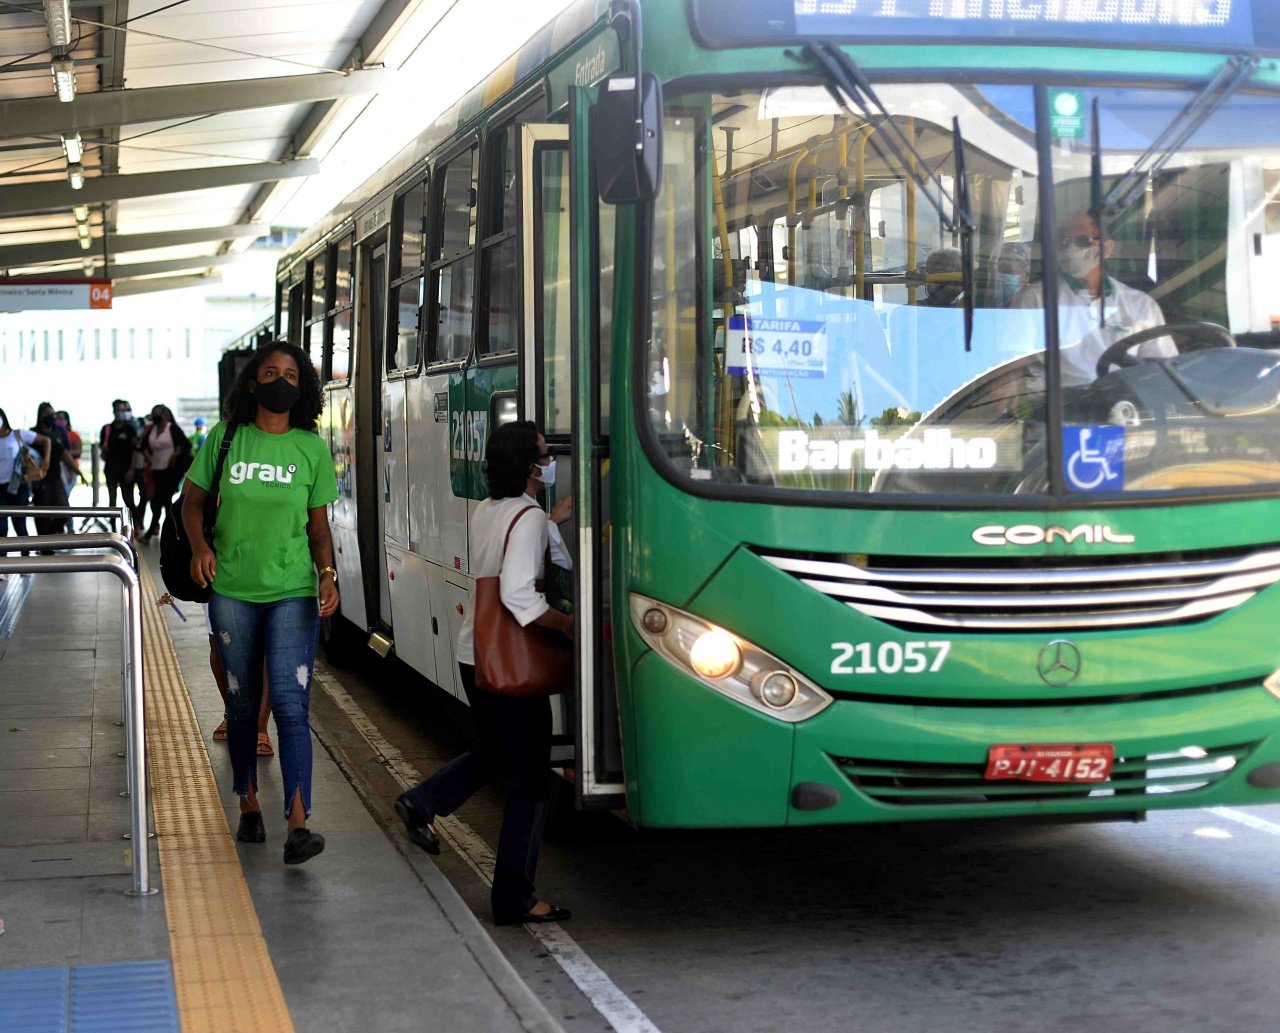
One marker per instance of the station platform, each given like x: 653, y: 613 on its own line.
x: 368, y: 936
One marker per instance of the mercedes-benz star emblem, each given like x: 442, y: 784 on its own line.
x: 1059, y: 663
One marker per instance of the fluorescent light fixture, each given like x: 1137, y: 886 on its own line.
x: 64, y: 78
x: 57, y: 20
x: 81, y: 212
x: 73, y: 147
x: 75, y: 175
x: 83, y: 230
x: 88, y: 267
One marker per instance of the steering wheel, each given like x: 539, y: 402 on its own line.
x: 1117, y: 354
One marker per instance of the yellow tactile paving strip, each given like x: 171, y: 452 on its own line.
x: 223, y: 973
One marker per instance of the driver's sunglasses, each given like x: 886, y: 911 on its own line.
x: 1080, y: 240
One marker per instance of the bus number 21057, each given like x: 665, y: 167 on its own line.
x: 889, y: 657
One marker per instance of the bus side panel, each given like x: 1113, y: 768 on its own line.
x: 437, y: 519
x: 411, y: 611
x: 395, y: 469
x: 339, y: 420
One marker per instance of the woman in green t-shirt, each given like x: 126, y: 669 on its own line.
x: 270, y: 542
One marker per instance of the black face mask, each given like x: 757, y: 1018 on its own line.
x: 278, y: 395
x: 46, y: 422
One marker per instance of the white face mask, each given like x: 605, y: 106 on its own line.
x: 1078, y: 262
x: 547, y: 474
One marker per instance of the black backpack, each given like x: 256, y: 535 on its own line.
x: 175, y: 547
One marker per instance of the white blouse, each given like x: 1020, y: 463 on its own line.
x: 522, y: 567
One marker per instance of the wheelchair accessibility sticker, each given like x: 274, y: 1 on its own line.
x: 1094, y: 458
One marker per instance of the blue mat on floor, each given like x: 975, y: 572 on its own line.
x: 134, y: 997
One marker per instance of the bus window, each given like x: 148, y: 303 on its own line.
x: 452, y: 272
x: 604, y: 309
x: 405, y: 340
x: 342, y: 273
x: 319, y: 283
x: 502, y: 307
x: 556, y: 300
x: 458, y: 211
x: 803, y: 338
x: 405, y: 345
x: 410, y: 214
x: 340, y: 355
x: 1189, y: 246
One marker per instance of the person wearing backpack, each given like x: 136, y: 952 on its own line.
x: 18, y: 465
x: 271, y: 570
x: 117, y: 443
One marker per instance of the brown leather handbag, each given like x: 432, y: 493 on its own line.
x: 515, y: 660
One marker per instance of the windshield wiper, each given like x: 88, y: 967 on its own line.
x: 1234, y: 74
x: 852, y: 90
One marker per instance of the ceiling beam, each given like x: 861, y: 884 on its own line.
x: 46, y: 115
x: 162, y: 283
x: 129, y: 272
x: 383, y: 27
x: 57, y: 194
x: 18, y: 256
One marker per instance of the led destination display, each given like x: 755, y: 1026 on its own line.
x: 1199, y: 24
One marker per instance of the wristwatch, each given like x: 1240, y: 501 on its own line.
x: 329, y: 570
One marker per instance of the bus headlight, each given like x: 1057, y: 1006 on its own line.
x: 726, y: 662
x: 714, y: 654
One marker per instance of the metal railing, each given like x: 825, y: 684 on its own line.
x: 124, y: 567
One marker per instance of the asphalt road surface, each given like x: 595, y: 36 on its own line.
x: 1167, y: 926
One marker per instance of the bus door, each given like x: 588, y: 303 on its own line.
x: 371, y: 465
x: 562, y: 393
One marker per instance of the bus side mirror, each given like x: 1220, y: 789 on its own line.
x: 626, y: 136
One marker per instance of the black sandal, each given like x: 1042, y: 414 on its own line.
x: 556, y: 914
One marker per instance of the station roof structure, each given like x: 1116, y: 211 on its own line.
x: 168, y: 127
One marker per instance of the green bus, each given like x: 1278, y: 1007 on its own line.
x: 864, y: 528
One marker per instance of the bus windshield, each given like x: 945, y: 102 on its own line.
x: 809, y: 305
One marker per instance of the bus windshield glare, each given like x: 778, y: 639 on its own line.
x: 808, y: 302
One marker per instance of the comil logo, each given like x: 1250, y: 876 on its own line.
x: 264, y: 472
x: 1030, y: 534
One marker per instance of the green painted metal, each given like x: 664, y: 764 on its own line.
x: 695, y: 757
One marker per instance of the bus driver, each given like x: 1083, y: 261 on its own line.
x: 1080, y: 252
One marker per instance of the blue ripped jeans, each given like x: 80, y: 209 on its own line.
x: 285, y: 633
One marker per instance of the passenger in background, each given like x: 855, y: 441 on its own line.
x: 167, y: 452
x: 1013, y: 272
x: 75, y: 451
x: 15, y: 489
x: 51, y: 490
x: 117, y: 443
x: 273, y: 561
x: 198, y: 435
x: 942, y: 269
x: 514, y: 732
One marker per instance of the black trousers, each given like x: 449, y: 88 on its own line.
x: 21, y: 497
x: 127, y: 484
x: 514, y: 746
x: 166, y: 482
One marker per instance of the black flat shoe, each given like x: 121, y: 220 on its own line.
x: 556, y: 914
x: 251, y: 828
x: 417, y: 824
x: 302, y: 845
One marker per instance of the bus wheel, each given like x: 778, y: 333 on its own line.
x: 340, y: 641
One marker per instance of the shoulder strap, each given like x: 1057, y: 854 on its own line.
x: 224, y: 448
x: 512, y: 526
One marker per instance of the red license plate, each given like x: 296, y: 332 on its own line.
x: 1054, y: 762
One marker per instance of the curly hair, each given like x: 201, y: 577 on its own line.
x: 242, y: 407
x: 512, y: 450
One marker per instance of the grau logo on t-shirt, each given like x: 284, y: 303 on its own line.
x: 264, y: 472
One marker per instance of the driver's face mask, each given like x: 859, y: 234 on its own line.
x: 1078, y: 262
